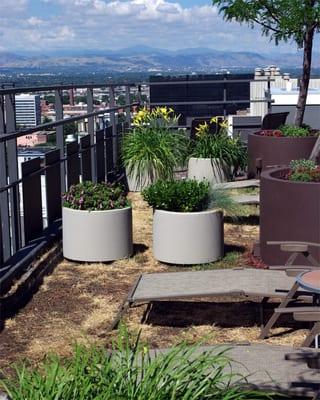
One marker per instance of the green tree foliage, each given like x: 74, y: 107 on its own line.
x: 281, y: 20
x: 70, y: 128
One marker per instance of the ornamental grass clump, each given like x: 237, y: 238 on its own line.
x: 215, y: 143
x: 152, y: 150
x: 303, y: 171
x: 92, y: 196
x: 130, y: 371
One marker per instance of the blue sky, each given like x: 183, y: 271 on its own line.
x: 51, y: 25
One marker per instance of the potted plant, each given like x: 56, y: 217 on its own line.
x: 152, y: 149
x: 187, y: 221
x: 97, y: 222
x: 215, y: 156
x: 269, y: 148
x: 289, y: 208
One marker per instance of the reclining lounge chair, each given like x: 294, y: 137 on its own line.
x: 245, y: 282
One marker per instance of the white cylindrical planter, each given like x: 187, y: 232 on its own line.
x: 136, y: 183
x: 97, y: 235
x: 209, y: 169
x: 188, y: 238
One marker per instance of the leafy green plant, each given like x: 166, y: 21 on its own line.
x: 187, y: 196
x: 132, y: 372
x: 231, y: 151
x: 95, y: 196
x: 157, y: 117
x: 184, y: 195
x: 304, y: 171
x: 294, y: 131
x: 153, y: 152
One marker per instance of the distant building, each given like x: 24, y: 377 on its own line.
x: 201, y: 95
x: 28, y: 111
x: 33, y: 139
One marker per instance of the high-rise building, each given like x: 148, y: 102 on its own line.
x: 28, y: 111
x: 201, y: 95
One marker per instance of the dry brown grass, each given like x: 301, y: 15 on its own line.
x: 77, y: 302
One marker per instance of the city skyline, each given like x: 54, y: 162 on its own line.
x: 68, y: 25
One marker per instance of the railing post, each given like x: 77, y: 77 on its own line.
x: 114, y: 126
x: 269, y: 95
x: 4, y: 204
x: 139, y: 95
x: 128, y: 109
x: 12, y: 162
x: 60, y: 135
x: 91, y: 132
x: 224, y: 97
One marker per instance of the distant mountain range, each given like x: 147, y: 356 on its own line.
x: 148, y: 59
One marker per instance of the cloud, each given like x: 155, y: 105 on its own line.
x: 114, y: 24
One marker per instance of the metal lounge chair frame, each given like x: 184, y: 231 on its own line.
x: 244, y: 282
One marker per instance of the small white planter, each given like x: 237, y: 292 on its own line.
x: 97, y: 235
x: 188, y: 238
x: 210, y: 169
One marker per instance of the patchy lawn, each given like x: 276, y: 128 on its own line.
x: 77, y: 302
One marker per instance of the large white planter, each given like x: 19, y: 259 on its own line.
x: 210, y: 169
x: 188, y: 238
x: 136, y: 183
x: 97, y: 235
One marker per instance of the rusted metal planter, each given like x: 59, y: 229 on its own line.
x: 289, y: 211
x: 268, y: 152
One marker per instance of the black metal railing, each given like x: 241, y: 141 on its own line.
x: 25, y: 228
x: 30, y: 199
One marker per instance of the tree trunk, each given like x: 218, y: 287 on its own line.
x: 306, y: 70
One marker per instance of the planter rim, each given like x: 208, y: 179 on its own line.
x: 95, y: 211
x: 257, y: 134
x: 204, y: 158
x: 212, y: 211
x: 267, y: 174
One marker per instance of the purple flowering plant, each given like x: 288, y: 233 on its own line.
x: 92, y: 196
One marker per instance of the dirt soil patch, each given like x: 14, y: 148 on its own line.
x: 77, y: 302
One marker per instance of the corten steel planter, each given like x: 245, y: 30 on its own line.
x: 268, y: 152
x: 97, y: 235
x: 288, y: 211
x: 209, y: 169
x: 188, y: 238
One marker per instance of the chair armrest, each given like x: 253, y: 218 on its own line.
x: 293, y: 246
x: 314, y: 310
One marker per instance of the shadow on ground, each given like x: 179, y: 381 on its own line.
x: 225, y: 314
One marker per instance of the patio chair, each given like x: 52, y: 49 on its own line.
x: 246, y: 282
x: 296, y: 249
x: 309, y: 281
x: 274, y: 120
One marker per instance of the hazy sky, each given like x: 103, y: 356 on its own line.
x: 46, y: 25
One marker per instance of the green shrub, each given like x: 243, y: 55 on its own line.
x: 95, y: 196
x: 304, y: 171
x: 153, y: 151
x: 131, y: 372
x: 294, y: 131
x: 180, y: 196
x: 188, y: 196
